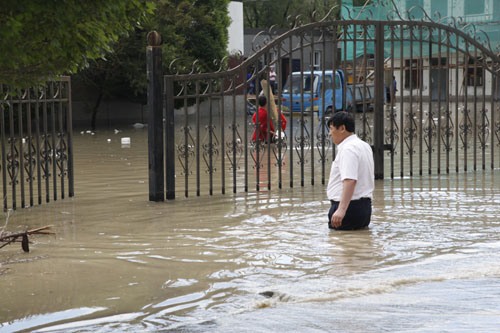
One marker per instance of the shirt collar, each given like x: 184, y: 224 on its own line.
x: 349, y: 138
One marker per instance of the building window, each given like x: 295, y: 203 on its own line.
x: 439, y: 6
x: 317, y: 60
x: 417, y: 13
x: 474, y: 73
x: 413, y: 74
x: 474, y: 7
x: 370, y: 62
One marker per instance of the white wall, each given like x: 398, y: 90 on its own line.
x: 236, y: 39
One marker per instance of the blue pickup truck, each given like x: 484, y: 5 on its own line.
x: 313, y: 99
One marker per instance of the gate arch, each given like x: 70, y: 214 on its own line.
x: 442, y: 117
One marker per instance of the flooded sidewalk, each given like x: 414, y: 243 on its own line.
x: 259, y: 261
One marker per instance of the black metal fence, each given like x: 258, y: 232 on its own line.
x: 424, y: 94
x: 36, y: 144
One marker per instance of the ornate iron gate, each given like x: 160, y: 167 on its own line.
x: 36, y: 144
x: 423, y: 93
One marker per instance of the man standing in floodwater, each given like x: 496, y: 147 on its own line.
x: 352, y: 177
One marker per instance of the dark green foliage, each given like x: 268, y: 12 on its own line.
x: 361, y: 2
x: 40, y: 39
x: 282, y: 14
x: 193, y: 30
x: 190, y: 30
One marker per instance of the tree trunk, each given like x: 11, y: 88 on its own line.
x: 94, y: 111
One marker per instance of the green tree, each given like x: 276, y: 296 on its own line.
x: 193, y: 30
x: 282, y: 13
x: 361, y: 2
x: 190, y: 30
x: 40, y: 39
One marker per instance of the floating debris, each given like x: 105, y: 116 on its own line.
x: 267, y: 294
x: 138, y: 125
x: 7, y: 239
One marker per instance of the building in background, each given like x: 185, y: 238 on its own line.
x: 423, y: 66
x: 236, y: 41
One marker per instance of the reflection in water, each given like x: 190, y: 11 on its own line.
x: 119, y: 262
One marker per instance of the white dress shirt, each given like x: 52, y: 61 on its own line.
x: 354, y: 160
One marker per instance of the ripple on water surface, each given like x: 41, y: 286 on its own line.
x: 261, y: 261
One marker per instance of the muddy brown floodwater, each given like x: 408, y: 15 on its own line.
x: 251, y: 262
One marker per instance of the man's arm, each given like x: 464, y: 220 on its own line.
x: 348, y: 186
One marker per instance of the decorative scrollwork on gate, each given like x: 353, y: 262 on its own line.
x: 497, y: 132
x: 429, y: 129
x: 36, y: 140
x: 13, y: 161
x: 257, y: 152
x: 186, y: 151
x: 392, y: 132
x: 235, y: 148
x: 302, y: 141
x: 465, y: 127
x: 280, y: 146
x: 30, y: 160
x: 45, y: 156
x: 447, y: 132
x: 323, y: 141
x: 61, y: 156
x: 483, y: 128
x: 410, y: 132
x: 366, y: 133
x: 210, y: 149
x: 263, y: 38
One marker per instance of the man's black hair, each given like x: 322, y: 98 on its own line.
x: 342, y: 118
x: 262, y: 100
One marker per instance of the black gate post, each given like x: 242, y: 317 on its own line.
x: 155, y: 117
x: 169, y: 138
x: 69, y: 129
x: 378, y: 148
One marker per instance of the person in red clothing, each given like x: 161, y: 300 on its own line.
x: 262, y: 129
